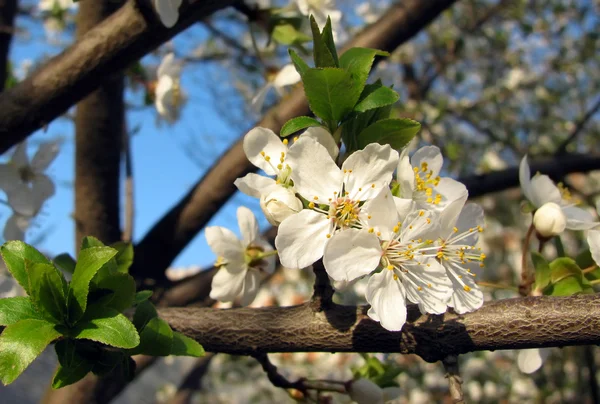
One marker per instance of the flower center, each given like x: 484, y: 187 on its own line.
x: 344, y: 212
x: 284, y: 171
x: 425, y: 184
x: 26, y: 174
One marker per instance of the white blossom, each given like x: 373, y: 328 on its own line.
x: 168, y: 11
x: 334, y: 196
x: 26, y: 185
x: 530, y: 360
x: 51, y: 6
x: 593, y: 240
x: 287, y: 76
x: 540, y: 189
x: 168, y: 96
x: 16, y: 226
x: 242, y: 263
x: 549, y: 220
x: 364, y: 391
x: 279, y: 203
x: 320, y: 10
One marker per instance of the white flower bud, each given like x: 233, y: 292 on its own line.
x: 549, y: 220
x: 279, y: 203
x: 364, y: 391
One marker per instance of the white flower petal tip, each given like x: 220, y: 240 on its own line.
x: 279, y: 204
x: 531, y: 360
x: 168, y: 11
x: 364, y: 391
x: 549, y: 220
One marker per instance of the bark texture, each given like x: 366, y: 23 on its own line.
x: 8, y: 9
x: 506, y: 324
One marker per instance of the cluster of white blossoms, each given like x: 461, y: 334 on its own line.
x: 26, y: 186
x: 414, y: 237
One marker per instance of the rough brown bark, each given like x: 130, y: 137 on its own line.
x: 179, y: 226
x: 108, y: 48
x: 506, y: 324
x: 8, y: 9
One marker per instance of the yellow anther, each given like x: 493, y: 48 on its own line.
x: 328, y: 235
x: 466, y: 288
x: 428, y: 221
x: 371, y: 230
x: 419, y: 288
x: 279, y: 166
x: 262, y: 153
x: 378, y: 234
x: 268, y: 158
x: 316, y: 198
x: 311, y: 205
x: 285, y: 142
x: 368, y: 216
x: 421, y: 213
x: 455, y: 229
x: 429, y: 285
x: 395, y: 277
x: 390, y: 267
x: 396, y: 229
x: 372, y: 185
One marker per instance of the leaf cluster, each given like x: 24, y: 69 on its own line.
x: 83, y: 317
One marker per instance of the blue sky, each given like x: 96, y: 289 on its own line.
x: 163, y: 172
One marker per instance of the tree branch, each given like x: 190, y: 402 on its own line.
x: 506, y: 324
x: 562, y: 149
x: 8, y: 9
x: 179, y: 226
x: 67, y: 78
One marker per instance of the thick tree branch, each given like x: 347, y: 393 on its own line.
x: 178, y: 227
x: 506, y: 324
x: 8, y: 9
x: 105, y: 50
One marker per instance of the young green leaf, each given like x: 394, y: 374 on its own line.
x: 185, y: 346
x: 299, y: 63
x: 358, y: 62
x: 65, y: 262
x: 542, y: 271
x: 91, y: 259
x: 378, y: 98
x: 108, y: 326
x: 73, y: 366
x: 287, y: 34
x: 123, y: 288
x: 14, y: 254
x: 327, y: 39
x: 89, y: 241
x: 321, y: 53
x: 395, y: 132
x: 48, y: 291
x: 124, y: 256
x: 565, y: 287
x: 142, y: 296
x: 15, y: 309
x: 332, y: 94
x: 298, y: 123
x: 144, y: 312
x: 156, y: 339
x: 20, y: 344
x: 564, y: 267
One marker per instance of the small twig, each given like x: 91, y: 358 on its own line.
x: 589, y: 269
x: 322, y: 289
x: 129, y: 201
x: 526, y: 276
x: 562, y: 149
x: 454, y: 379
x: 496, y: 286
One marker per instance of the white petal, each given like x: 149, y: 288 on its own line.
x: 168, y: 11
x: 530, y: 360
x: 430, y: 155
x: 391, y: 393
x: 22, y: 201
x: 258, y: 100
x: 451, y: 190
x: 429, y: 286
x: 42, y: 188
x: 278, y: 203
x: 325, y: 138
x: 351, y: 254
x: 301, y: 238
x: 525, y: 178
x: 369, y: 170
x: 578, y: 219
x: 364, y: 391
x: 44, y: 156
x: 405, y: 176
x: 9, y: 177
x: 463, y: 299
x: 169, y: 67
x: 593, y: 240
x: 380, y: 213
x: 449, y: 216
x: 15, y: 228
x: 263, y: 140
x: 248, y: 225
x: 224, y: 243
x: 250, y: 287
x: 253, y: 184
x: 314, y: 172
x: 270, y: 261
x: 404, y: 207
x: 470, y: 217
x: 226, y: 286
x: 544, y: 190
x: 387, y: 298
x: 19, y: 157
x: 164, y: 96
x: 286, y: 77
x: 416, y: 225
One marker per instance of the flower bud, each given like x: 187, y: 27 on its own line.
x: 279, y: 203
x: 364, y: 391
x: 549, y: 220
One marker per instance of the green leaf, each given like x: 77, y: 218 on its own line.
x: 298, y: 123
x: 90, y: 241
x: 287, y: 34
x: 185, y: 346
x: 108, y: 326
x: 331, y: 94
x: 144, y: 312
x: 20, y: 344
x: 15, y: 309
x: 107, y: 362
x: 327, y: 39
x: 124, y: 257
x: 542, y: 271
x: 358, y: 62
x: 566, y: 287
x: 73, y: 366
x: 395, y: 132
x: 14, y: 254
x: 378, y: 98
x: 123, y: 288
x: 156, y: 339
x: 142, y: 296
x: 47, y: 287
x: 564, y: 267
x: 65, y: 262
x: 91, y: 259
x: 299, y: 63
x: 321, y: 53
